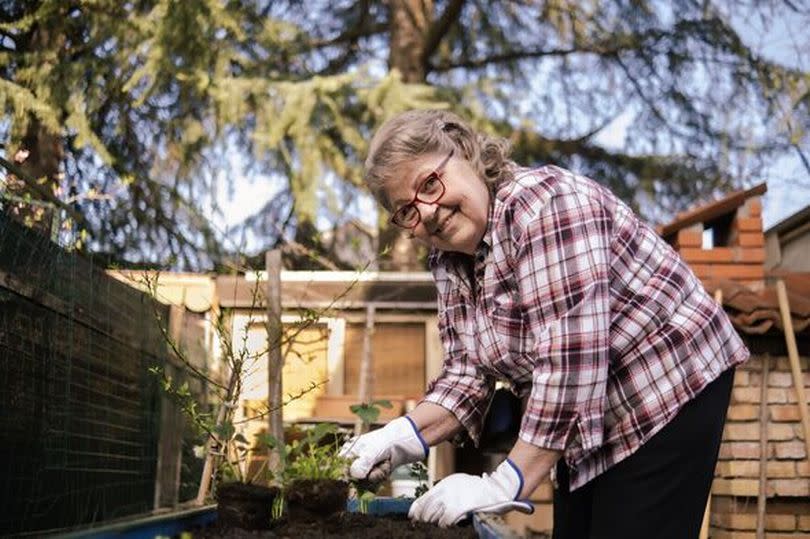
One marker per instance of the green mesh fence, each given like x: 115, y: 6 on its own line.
x: 79, y: 412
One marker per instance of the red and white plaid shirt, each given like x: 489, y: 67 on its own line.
x: 583, y: 309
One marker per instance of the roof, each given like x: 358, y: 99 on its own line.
x: 790, y: 222
x: 712, y: 210
x: 335, y: 289
x: 757, y: 312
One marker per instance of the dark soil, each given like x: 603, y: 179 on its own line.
x: 307, y: 498
x: 343, y: 525
x: 245, y: 505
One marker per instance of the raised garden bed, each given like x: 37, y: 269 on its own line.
x: 386, y: 518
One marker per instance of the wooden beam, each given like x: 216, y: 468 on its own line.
x: 275, y: 362
x: 795, y: 367
x: 366, y: 366
x: 763, y: 448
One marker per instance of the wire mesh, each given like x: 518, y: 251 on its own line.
x: 79, y: 412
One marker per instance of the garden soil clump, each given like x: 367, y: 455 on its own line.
x: 343, y: 525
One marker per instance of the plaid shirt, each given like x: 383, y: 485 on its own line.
x: 586, y: 312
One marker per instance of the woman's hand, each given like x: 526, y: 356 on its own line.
x: 459, y: 495
x: 379, y: 452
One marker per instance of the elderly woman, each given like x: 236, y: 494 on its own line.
x: 550, y: 283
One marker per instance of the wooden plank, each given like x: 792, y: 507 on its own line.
x: 704, y: 526
x: 793, y: 356
x: 399, y: 358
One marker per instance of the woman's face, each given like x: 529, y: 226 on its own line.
x: 456, y: 221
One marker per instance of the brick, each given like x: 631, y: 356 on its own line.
x: 748, y: 224
x: 803, y: 468
x: 786, y: 506
x: 732, y: 534
x: 751, y: 239
x: 788, y: 450
x: 750, y: 468
x: 779, y: 469
x: 736, y: 487
x: 803, y: 523
x: 738, y: 468
x: 716, y: 255
x: 753, y: 206
x: 735, y: 521
x: 689, y: 238
x: 739, y: 450
x: 743, y: 412
x: 780, y: 395
x: 780, y: 379
x: 784, y: 412
x: 742, y: 378
x: 743, y: 432
x: 745, y: 395
x: 788, y: 487
x: 781, y: 432
x: 780, y: 523
x: 749, y: 255
x: 729, y: 271
x: 783, y: 364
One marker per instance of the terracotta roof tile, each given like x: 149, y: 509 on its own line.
x: 757, y: 312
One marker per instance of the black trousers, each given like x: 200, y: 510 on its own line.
x: 659, y: 491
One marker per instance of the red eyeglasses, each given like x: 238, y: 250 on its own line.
x: 430, y: 191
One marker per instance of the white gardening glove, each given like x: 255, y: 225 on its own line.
x: 379, y: 452
x: 459, y: 495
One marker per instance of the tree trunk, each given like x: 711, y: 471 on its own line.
x: 409, y: 23
x: 409, y: 26
x: 39, y: 155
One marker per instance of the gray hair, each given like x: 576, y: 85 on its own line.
x: 419, y: 132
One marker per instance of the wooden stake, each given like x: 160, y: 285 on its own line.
x: 795, y: 367
x: 704, y: 527
x: 763, y: 448
x: 275, y: 363
x: 366, y: 363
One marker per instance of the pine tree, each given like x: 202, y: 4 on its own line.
x: 126, y: 109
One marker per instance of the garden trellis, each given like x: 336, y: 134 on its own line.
x: 80, y: 412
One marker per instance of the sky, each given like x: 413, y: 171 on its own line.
x: 788, y: 181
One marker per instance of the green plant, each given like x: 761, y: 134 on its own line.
x: 364, y: 499
x: 315, y: 456
x: 419, y: 471
x: 369, y: 412
x: 310, y: 457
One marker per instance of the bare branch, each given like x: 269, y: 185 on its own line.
x: 439, y: 29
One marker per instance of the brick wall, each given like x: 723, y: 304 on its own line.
x: 736, y: 484
x: 738, y: 253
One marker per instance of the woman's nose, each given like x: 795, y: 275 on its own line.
x: 427, y: 212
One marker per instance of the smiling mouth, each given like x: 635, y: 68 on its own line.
x: 443, y: 224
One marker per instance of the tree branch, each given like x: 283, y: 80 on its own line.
x: 42, y: 191
x: 439, y: 29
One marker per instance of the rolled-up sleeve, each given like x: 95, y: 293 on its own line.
x: 462, y: 387
x: 561, y: 263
